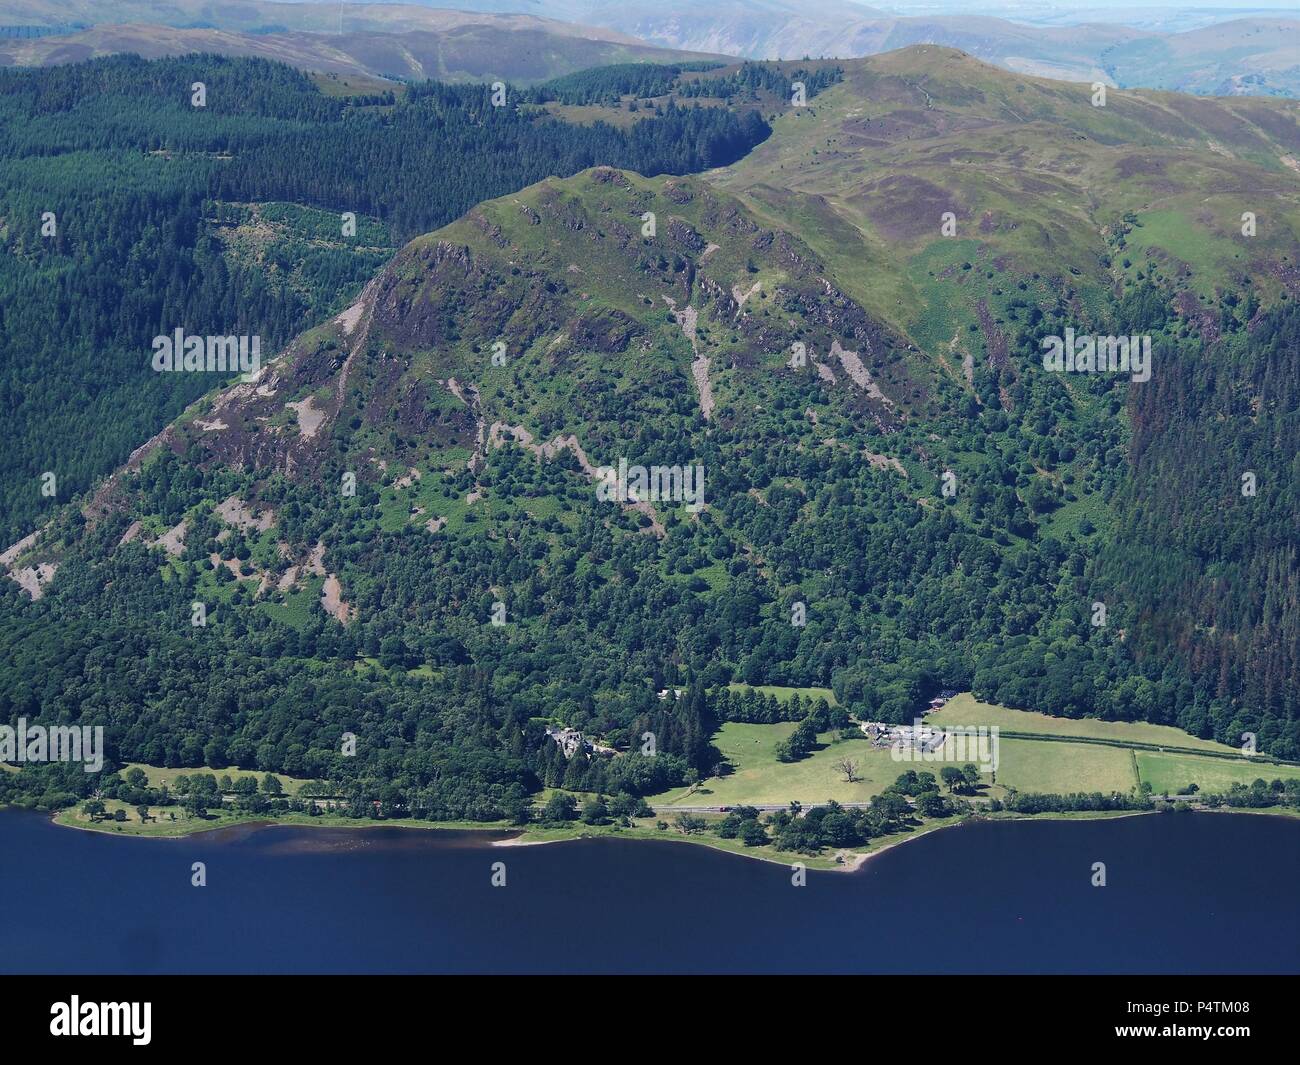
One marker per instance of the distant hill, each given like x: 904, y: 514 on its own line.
x: 1256, y: 56
x: 519, y: 48
x: 1034, y: 173
x: 271, y: 16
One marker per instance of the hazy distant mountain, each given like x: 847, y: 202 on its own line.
x: 757, y: 29
x: 521, y: 49
x: 271, y: 16
x: 1252, y: 55
x: 1257, y: 55
x: 1260, y: 56
x: 1156, y: 16
x: 389, y: 41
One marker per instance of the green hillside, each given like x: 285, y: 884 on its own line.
x: 867, y: 480
x: 1047, y: 191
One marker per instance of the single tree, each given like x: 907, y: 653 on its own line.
x: 560, y: 807
x: 689, y: 823
x: 848, y: 767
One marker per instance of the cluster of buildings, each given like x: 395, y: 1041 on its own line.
x: 921, y: 738
x: 571, y: 741
x: 918, y: 737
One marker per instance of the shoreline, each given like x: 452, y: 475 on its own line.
x: 526, y: 836
x: 107, y: 828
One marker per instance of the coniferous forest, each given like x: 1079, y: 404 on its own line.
x: 135, y: 177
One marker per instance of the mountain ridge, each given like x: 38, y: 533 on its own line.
x: 751, y: 177
x: 1031, y: 170
x: 521, y: 49
x: 1254, y: 55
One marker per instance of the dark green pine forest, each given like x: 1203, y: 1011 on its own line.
x: 138, y: 181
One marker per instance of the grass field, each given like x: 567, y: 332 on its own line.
x: 1167, y: 772
x: 1026, y: 765
x: 162, y: 825
x: 1172, y: 231
x: 1029, y: 765
x: 965, y: 709
x: 760, y: 778
x: 299, y: 605
x: 158, y: 775
x: 355, y: 85
x: 786, y: 694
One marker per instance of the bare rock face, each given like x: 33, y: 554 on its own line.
x: 685, y: 235
x: 606, y: 331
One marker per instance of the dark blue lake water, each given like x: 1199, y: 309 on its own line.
x: 1185, y: 893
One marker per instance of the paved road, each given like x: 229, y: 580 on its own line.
x: 757, y: 806
x: 847, y: 805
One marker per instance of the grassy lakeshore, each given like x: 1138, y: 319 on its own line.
x: 844, y: 860
x: 191, y: 826
x: 833, y: 859
x: 642, y: 828
x: 853, y: 858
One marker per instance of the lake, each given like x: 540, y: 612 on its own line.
x: 1185, y: 893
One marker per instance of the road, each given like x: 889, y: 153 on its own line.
x: 762, y: 808
x: 769, y: 808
